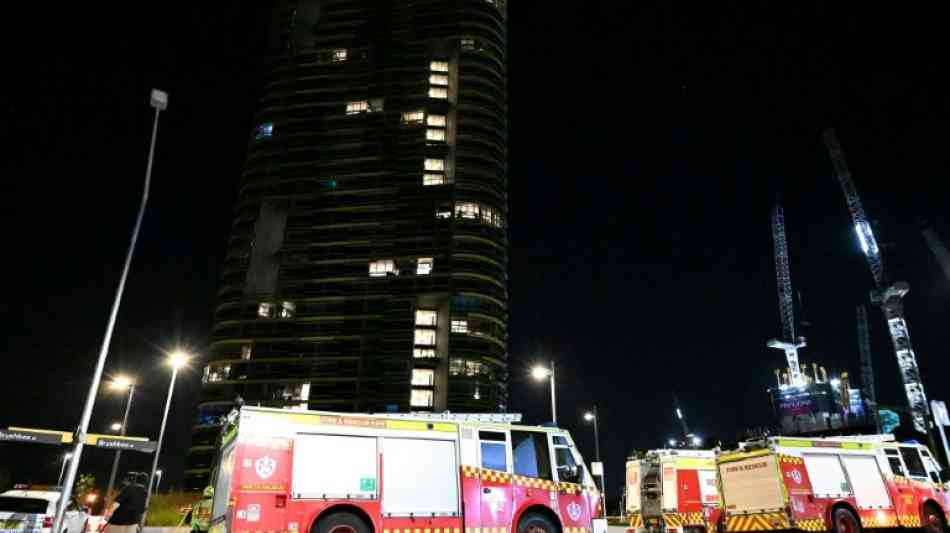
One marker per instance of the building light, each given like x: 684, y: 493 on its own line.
x: 264, y: 131
x: 382, y: 267
x: 424, y: 377
x: 376, y: 105
x: 439, y: 66
x: 424, y: 266
x: 413, y: 117
x: 456, y: 367
x: 287, y: 309
x: 265, y: 310
x: 215, y: 373
x: 356, y: 107
x: 466, y: 210
x: 436, y: 120
x: 443, y: 214
x: 435, y: 134
x: 439, y: 79
x: 434, y: 164
x: 339, y: 54
x: 427, y: 317
x: 460, y: 326
x: 438, y: 92
x: 246, y: 352
x: 433, y: 179
x: 467, y: 44
x: 424, y: 337
x: 473, y: 368
x: 420, y: 398
x: 423, y: 353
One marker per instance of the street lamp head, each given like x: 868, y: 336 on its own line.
x: 697, y: 441
x: 116, y: 426
x: 121, y: 383
x: 671, y: 442
x: 539, y: 372
x: 178, y: 359
x: 589, y: 416
x: 159, y: 99
x: 67, y: 456
x: 158, y: 472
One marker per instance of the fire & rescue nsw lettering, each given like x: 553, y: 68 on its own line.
x: 750, y: 466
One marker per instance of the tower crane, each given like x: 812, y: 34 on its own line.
x: 788, y: 343
x: 888, y: 296
x: 867, y: 367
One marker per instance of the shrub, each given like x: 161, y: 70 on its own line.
x: 164, y: 509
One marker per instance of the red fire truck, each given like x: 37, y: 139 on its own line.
x: 672, y: 491
x: 840, y: 484
x: 284, y: 471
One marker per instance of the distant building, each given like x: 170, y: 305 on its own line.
x: 367, y: 264
x: 819, y: 408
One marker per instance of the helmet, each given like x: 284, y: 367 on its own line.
x: 208, y: 492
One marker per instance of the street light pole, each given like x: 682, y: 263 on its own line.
x: 596, y: 436
x: 62, y: 469
x: 177, y: 360
x: 592, y: 417
x: 159, y: 101
x: 118, y: 453
x: 553, y: 397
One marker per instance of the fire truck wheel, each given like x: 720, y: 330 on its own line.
x: 933, y: 520
x: 342, y: 522
x: 845, y: 522
x: 536, y: 523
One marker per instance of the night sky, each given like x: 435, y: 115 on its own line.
x: 648, y: 142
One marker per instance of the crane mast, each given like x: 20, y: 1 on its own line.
x: 867, y: 367
x: 889, y: 297
x: 789, y: 343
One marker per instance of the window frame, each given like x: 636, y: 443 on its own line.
x: 506, y: 442
x: 539, y: 440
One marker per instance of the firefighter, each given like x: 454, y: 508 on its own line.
x: 201, y: 511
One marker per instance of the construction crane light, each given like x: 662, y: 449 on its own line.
x: 866, y: 237
x: 679, y: 414
x: 835, y: 382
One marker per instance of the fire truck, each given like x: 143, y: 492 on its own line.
x: 282, y: 471
x: 841, y: 484
x: 673, y: 491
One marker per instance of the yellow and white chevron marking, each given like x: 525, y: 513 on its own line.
x: 485, y: 530
x: 425, y: 530
x: 672, y: 519
x: 469, y: 471
x: 636, y: 520
x: 909, y: 520
x: 757, y: 522
x: 570, y: 488
x: 495, y: 476
x: 811, y: 524
x: 790, y: 459
x: 535, y: 483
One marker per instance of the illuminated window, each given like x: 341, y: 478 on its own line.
x: 435, y: 120
x: 383, y: 267
x: 438, y: 92
x: 413, y: 117
x: 421, y: 398
x: 265, y: 310
x: 423, y: 353
x: 460, y: 326
x: 468, y: 44
x: 443, y: 214
x: 357, y: 107
x: 264, y: 131
x: 424, y: 337
x: 439, y: 66
x: 423, y: 377
x: 433, y: 179
x: 473, y: 368
x: 287, y: 309
x: 376, y: 105
x: 423, y: 266
x: 426, y: 317
x: 339, y: 54
x: 466, y: 210
x: 438, y: 79
x: 457, y: 367
x: 215, y: 373
x: 435, y: 134
x: 434, y: 164
x: 246, y: 352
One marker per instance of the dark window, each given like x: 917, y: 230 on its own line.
x: 896, y: 468
x: 560, y: 440
x: 494, y: 453
x: 530, y: 450
x: 12, y: 504
x: 914, y: 464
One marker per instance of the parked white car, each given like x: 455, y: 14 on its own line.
x: 32, y: 511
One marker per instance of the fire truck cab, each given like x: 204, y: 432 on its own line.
x: 673, y: 491
x: 841, y: 484
x: 282, y: 471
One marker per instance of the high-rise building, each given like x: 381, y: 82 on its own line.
x: 367, y: 264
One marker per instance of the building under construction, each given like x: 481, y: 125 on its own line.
x: 819, y: 405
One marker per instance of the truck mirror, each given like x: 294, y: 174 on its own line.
x: 569, y: 473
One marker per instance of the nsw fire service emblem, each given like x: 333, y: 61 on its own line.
x: 574, y: 511
x: 265, y: 467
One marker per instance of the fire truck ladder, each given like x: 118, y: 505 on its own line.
x: 889, y: 297
x: 495, y: 418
